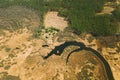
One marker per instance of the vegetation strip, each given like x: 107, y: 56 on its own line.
x: 80, y: 14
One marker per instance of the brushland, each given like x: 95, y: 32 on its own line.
x: 81, y: 14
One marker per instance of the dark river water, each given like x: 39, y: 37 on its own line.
x: 58, y: 50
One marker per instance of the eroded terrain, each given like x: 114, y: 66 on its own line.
x: 21, y: 55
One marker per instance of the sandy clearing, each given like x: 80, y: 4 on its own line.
x: 53, y: 20
x: 106, y: 10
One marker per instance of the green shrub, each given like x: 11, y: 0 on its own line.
x: 103, y: 26
x: 116, y: 14
x: 7, y: 49
x: 9, y: 77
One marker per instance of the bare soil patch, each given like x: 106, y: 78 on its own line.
x: 106, y: 10
x: 53, y: 20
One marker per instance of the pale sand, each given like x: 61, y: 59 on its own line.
x: 106, y: 10
x: 53, y: 20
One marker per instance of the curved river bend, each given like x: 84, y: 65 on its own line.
x: 58, y: 50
